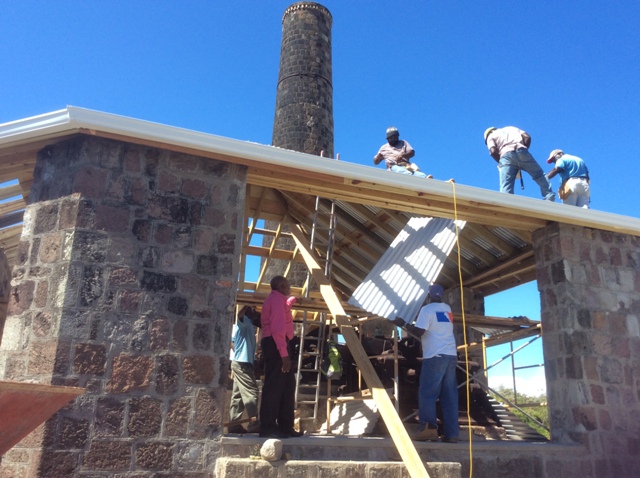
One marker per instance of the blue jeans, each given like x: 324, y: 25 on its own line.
x: 403, y: 170
x: 438, y: 379
x: 512, y: 162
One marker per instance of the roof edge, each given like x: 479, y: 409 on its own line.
x: 72, y: 119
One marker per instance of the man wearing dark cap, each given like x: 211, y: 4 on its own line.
x: 396, y: 154
x: 575, y: 189
x: 434, y: 327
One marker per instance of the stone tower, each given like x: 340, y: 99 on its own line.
x: 304, y: 104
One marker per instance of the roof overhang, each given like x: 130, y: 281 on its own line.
x: 344, y: 180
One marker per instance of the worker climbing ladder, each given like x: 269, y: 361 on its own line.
x: 314, y: 326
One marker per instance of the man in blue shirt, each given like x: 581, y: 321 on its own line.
x: 575, y: 189
x: 244, y: 395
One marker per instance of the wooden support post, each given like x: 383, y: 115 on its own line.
x: 396, y: 428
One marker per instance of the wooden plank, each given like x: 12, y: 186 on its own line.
x: 12, y: 206
x: 475, y: 347
x: 24, y: 406
x: 11, y: 219
x: 396, y: 428
x: 10, y: 191
x: 386, y: 197
x: 495, y: 271
x: 10, y: 232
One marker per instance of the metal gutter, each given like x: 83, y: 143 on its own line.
x: 72, y: 119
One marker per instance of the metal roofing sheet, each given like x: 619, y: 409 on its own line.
x: 397, y: 285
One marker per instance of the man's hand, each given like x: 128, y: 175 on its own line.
x: 286, y: 364
x: 399, y: 321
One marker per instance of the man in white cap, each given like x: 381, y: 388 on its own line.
x: 397, y: 153
x: 575, y: 189
x: 509, y: 147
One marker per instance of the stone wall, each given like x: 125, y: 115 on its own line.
x: 125, y: 284
x: 5, y: 287
x: 589, y: 282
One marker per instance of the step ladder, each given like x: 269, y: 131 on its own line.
x: 309, y: 374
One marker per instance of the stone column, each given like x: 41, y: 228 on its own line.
x: 589, y: 282
x: 124, y: 284
x: 304, y: 102
x: 473, y: 304
x: 5, y: 286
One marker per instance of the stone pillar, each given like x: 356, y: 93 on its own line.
x: 5, y: 287
x: 473, y: 304
x: 304, y: 102
x: 124, y: 284
x: 589, y: 282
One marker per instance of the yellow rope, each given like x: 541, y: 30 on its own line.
x: 464, y: 328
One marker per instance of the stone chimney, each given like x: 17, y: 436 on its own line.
x: 304, y: 104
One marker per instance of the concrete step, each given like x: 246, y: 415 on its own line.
x: 227, y: 467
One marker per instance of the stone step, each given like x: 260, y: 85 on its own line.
x: 227, y: 467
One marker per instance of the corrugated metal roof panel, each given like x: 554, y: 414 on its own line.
x: 487, y: 246
x: 508, y: 236
x: 397, y: 285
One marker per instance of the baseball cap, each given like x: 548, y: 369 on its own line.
x: 436, y: 291
x: 552, y: 155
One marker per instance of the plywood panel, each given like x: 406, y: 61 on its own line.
x: 24, y: 406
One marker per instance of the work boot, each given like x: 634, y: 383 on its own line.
x: 236, y: 429
x: 428, y: 432
x: 253, y: 427
x: 448, y: 440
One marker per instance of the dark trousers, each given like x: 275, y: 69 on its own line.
x: 278, y: 392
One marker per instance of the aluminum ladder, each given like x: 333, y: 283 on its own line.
x: 309, y: 373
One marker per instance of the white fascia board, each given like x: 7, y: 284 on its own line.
x: 72, y: 119
x: 23, y: 130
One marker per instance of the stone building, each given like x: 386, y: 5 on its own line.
x: 127, y: 271
x: 132, y: 252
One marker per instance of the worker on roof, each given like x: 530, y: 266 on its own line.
x: 509, y: 146
x: 396, y: 154
x: 575, y: 189
x: 434, y: 328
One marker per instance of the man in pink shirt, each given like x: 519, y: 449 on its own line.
x: 278, y: 392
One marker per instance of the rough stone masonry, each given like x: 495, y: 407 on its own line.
x: 124, y: 284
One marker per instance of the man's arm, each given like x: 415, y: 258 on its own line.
x: 377, y: 158
x: 408, y: 153
x: 493, y: 151
x: 412, y: 329
x: 526, y: 139
x: 553, y: 172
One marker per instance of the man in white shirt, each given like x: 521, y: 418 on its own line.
x: 434, y: 327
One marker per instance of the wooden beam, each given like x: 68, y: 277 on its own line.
x: 503, y: 338
x: 396, y: 428
x: 10, y: 191
x: 496, y: 271
x: 386, y: 197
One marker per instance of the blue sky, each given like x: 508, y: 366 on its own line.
x: 442, y: 72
